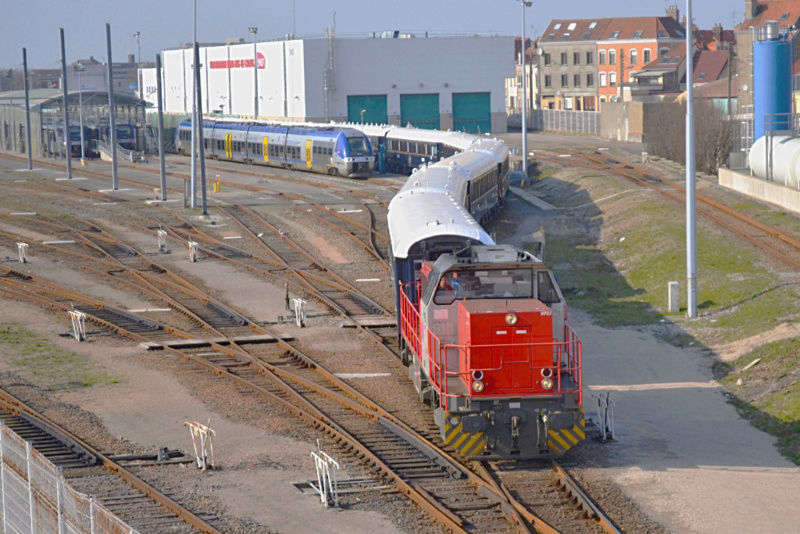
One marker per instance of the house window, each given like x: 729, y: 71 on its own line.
x: 602, y: 79
x: 663, y: 50
x: 576, y: 80
x: 564, y: 80
x: 548, y: 81
x: 576, y: 58
x: 601, y: 57
x: 589, y: 58
x: 612, y: 79
x: 590, y: 80
x: 638, y: 34
x: 614, y: 34
x: 634, y: 56
x: 563, y: 58
x: 547, y: 60
x: 646, y: 57
x: 557, y: 26
x: 612, y: 57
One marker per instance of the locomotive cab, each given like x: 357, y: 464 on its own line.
x: 501, y: 366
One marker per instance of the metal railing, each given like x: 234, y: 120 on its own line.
x: 37, y: 498
x: 124, y: 153
x: 587, y: 122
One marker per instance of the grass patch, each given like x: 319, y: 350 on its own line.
x: 769, y: 392
x: 590, y: 282
x: 46, y: 364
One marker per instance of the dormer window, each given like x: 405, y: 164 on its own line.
x: 614, y: 34
x: 638, y: 34
x: 571, y: 26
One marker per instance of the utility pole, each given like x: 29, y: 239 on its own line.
x: 253, y: 32
x: 67, y: 137
x: 27, y: 109
x: 160, y: 129
x: 691, y: 216
x: 112, y: 120
x: 193, y: 178
x: 200, y: 126
x: 524, y: 4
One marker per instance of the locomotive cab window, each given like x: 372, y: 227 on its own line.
x: 545, y: 287
x: 358, y: 146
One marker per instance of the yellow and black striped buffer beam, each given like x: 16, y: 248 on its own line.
x: 467, y: 443
x: 561, y: 440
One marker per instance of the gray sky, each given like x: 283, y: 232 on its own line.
x: 166, y: 23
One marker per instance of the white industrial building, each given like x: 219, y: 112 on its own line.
x: 430, y: 82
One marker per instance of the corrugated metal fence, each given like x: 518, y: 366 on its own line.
x: 587, y: 122
x: 35, y: 498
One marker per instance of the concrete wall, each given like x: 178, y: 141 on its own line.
x: 772, y: 192
x: 622, y: 121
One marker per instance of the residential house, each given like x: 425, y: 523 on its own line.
x: 568, y: 64
x: 629, y: 43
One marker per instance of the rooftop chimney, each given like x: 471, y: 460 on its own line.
x: 750, y: 8
x: 717, y: 32
x: 674, y: 12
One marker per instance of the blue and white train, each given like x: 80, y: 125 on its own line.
x: 331, y: 150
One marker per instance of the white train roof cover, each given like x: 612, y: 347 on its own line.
x: 420, y: 213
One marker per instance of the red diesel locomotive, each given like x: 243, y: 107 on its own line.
x: 482, y: 327
x: 485, y: 338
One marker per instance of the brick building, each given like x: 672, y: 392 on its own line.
x: 629, y: 43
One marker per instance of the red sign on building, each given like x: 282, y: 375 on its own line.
x: 238, y: 63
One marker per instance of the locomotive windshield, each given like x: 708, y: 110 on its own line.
x: 496, y: 284
x: 358, y: 146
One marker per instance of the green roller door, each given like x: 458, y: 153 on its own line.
x: 421, y: 111
x: 374, y: 107
x: 471, y: 112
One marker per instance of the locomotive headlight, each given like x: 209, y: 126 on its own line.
x: 477, y: 386
x: 511, y: 319
x: 547, y: 383
x: 477, y: 374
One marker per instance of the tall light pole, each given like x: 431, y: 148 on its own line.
x: 691, y: 230
x: 136, y: 36
x: 253, y: 31
x: 193, y: 179
x: 80, y: 68
x: 524, y: 4
x: 67, y: 137
x: 362, y: 115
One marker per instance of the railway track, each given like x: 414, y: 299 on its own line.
x: 285, y: 375
x: 456, y: 496
x: 132, y: 499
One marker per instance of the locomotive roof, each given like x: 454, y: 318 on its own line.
x: 420, y: 213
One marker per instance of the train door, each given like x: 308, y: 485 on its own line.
x: 308, y: 153
x: 265, y: 149
x: 512, y: 363
x: 229, y: 145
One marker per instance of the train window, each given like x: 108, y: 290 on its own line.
x: 546, y: 290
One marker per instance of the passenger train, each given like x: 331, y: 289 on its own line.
x: 326, y: 149
x: 482, y: 327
